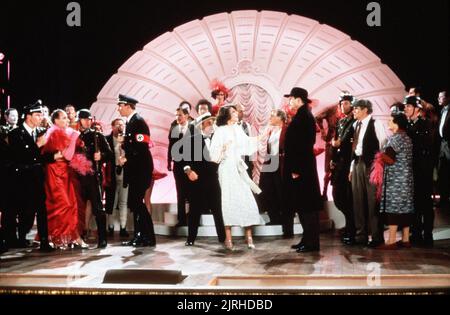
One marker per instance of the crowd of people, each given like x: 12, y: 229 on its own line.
x: 60, y: 169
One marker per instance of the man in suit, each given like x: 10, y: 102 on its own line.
x: 340, y: 167
x: 25, y: 143
x: 444, y: 154
x: 177, y: 134
x: 138, y: 167
x: 270, y: 181
x: 12, y: 118
x: 368, y: 138
x: 247, y: 127
x: 300, y: 171
x: 116, y: 194
x: 204, y: 190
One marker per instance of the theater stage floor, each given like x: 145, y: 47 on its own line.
x: 208, y: 267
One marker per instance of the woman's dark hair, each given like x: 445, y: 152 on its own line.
x: 400, y: 120
x: 224, y: 115
x: 56, y: 114
x: 204, y: 102
x: 214, y: 94
x: 282, y: 114
x: 397, y: 107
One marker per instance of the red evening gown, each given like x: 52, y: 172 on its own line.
x: 60, y: 187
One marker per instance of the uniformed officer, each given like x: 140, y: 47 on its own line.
x: 97, y: 150
x: 25, y: 143
x: 138, y: 167
x: 341, y: 159
x: 419, y: 130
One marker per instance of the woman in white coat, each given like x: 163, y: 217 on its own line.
x: 228, y: 145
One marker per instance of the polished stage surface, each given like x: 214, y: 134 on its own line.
x: 208, y: 267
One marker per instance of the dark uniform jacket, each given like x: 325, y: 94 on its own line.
x: 139, y: 166
x: 27, y: 166
x: 89, y: 139
x: 342, y: 156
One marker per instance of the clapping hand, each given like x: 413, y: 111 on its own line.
x: 122, y: 160
x: 58, y: 156
x: 40, y: 142
x: 192, y: 176
x: 97, y: 156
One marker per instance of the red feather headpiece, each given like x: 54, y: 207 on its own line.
x: 218, y: 86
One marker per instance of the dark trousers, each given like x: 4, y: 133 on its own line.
x: 143, y: 223
x: 271, y: 197
x: 9, y: 225
x: 444, y: 180
x: 423, y: 203
x: 311, y: 228
x: 92, y: 191
x: 27, y: 206
x: 204, y: 197
x: 367, y: 218
x: 343, y: 199
x: 181, y: 183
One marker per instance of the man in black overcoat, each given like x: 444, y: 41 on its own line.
x: 300, y: 171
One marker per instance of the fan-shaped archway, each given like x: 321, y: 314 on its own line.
x: 265, y: 52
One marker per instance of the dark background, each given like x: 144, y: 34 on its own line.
x: 62, y: 65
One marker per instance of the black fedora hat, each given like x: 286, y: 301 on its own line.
x: 297, y: 92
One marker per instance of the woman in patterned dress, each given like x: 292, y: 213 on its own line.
x: 397, y: 201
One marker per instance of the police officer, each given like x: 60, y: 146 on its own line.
x: 97, y: 150
x: 340, y: 166
x: 138, y: 167
x: 419, y: 130
x: 25, y: 143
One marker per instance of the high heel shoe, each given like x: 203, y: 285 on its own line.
x: 80, y: 244
x: 250, y: 244
x: 228, y: 245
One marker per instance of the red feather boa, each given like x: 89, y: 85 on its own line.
x: 81, y: 164
x: 57, y: 140
x: 377, y: 174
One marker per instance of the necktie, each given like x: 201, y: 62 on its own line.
x: 356, y: 136
x: 269, y: 146
x: 33, y: 135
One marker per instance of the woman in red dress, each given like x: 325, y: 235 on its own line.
x: 219, y: 93
x: 61, y: 201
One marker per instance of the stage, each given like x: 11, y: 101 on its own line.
x: 207, y: 268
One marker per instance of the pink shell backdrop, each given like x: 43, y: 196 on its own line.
x: 260, y: 56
